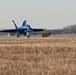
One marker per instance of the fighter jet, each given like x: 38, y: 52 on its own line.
x: 25, y: 29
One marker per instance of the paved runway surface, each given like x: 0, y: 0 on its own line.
x: 40, y: 36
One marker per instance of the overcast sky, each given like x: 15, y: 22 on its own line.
x: 50, y: 14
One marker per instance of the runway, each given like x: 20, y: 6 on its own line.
x: 40, y: 36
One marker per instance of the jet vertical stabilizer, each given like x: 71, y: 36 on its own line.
x: 14, y: 24
x: 24, y: 23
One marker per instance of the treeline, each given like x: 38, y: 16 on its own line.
x: 66, y: 30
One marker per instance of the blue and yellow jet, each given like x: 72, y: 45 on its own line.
x: 25, y: 29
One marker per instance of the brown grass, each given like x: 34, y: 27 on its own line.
x: 43, y: 56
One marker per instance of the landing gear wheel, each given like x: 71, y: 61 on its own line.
x: 17, y: 36
x: 28, y: 36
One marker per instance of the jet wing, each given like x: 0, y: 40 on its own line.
x: 37, y: 30
x: 9, y: 30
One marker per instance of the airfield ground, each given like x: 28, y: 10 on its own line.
x: 38, y: 56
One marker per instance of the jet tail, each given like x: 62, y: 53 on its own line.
x: 24, y: 23
x: 14, y: 24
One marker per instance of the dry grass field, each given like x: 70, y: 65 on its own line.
x: 43, y: 56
